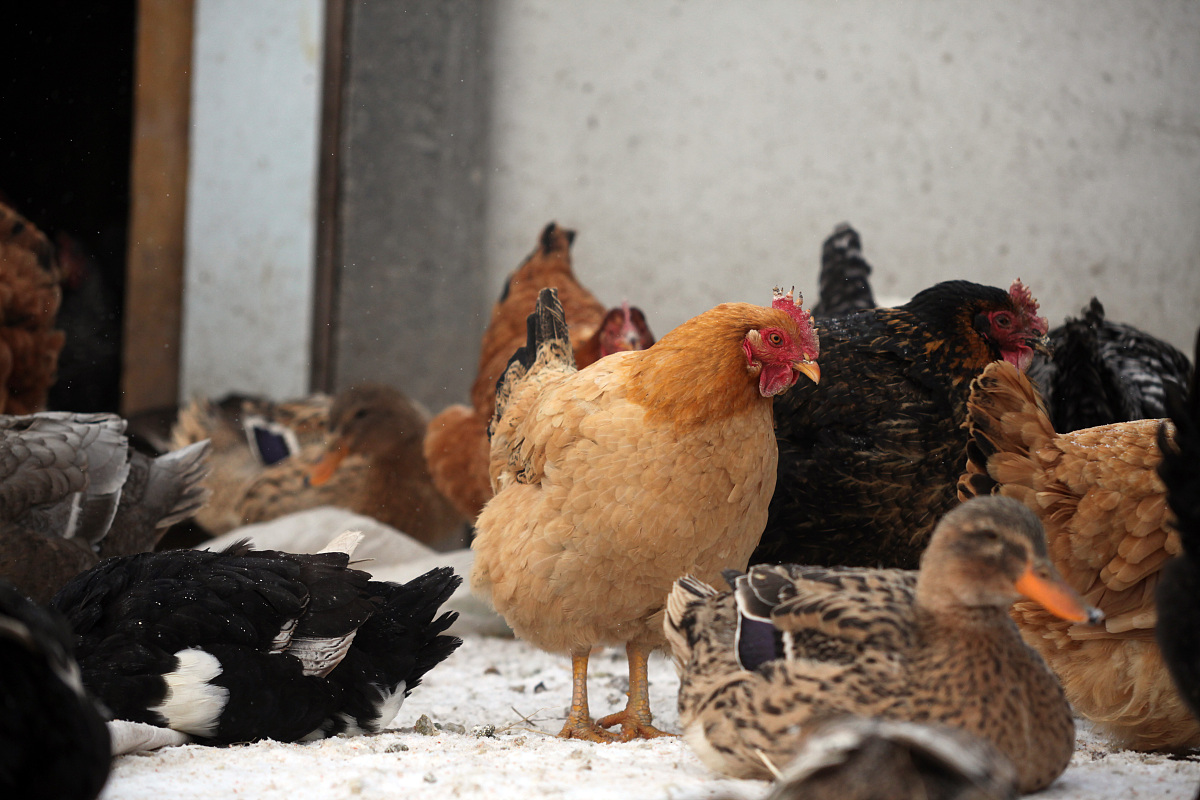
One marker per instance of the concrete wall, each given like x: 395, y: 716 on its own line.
x: 252, y: 197
x: 704, y: 149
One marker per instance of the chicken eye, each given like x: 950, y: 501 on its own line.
x: 775, y: 339
x: 1003, y: 321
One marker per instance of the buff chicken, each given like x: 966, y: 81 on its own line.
x: 612, y: 481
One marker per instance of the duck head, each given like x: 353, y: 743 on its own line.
x: 990, y: 551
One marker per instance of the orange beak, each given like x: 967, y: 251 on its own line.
x: 1055, y: 596
x: 320, y: 473
x: 809, y: 368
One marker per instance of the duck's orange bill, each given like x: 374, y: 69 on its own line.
x: 1056, y: 597
x: 810, y: 369
x: 320, y: 473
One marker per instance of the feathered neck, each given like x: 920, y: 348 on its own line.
x: 697, y: 373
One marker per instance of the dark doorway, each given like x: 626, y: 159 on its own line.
x: 66, y: 90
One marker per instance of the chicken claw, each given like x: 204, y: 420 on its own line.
x: 635, y: 719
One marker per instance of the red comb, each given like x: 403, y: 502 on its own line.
x: 784, y: 302
x: 1027, y: 305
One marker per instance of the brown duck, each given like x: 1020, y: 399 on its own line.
x: 792, y: 646
x: 362, y: 452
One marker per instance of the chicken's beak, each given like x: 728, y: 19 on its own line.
x: 1043, y: 585
x: 320, y: 473
x: 1041, y: 345
x: 809, y: 368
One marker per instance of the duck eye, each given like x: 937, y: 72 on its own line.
x: 360, y: 414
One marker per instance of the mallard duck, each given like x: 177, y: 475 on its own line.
x: 862, y: 758
x: 74, y: 492
x: 242, y: 644
x: 1103, y: 505
x: 793, y: 645
x: 53, y: 741
x: 362, y: 451
x: 249, y: 435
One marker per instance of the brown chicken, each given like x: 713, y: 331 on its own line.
x: 456, y: 446
x: 1099, y: 495
x: 614, y: 480
x: 29, y: 299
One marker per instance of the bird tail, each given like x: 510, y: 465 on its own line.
x: 177, y: 475
x: 395, y: 648
x: 1006, y: 422
x: 547, y: 350
x: 1181, y: 455
x: 845, y: 275
x: 680, y: 622
x: 159, y: 493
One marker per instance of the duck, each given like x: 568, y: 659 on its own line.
x: 249, y: 434
x: 368, y: 458
x: 75, y: 492
x: 1178, y: 593
x: 1104, y: 509
x: 867, y: 758
x: 239, y: 645
x: 53, y: 738
x: 792, y: 645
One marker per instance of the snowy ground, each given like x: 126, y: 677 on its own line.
x: 524, y: 693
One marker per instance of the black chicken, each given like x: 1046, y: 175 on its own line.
x: 1103, y: 372
x: 868, y: 458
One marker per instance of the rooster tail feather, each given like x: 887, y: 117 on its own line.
x: 547, y: 345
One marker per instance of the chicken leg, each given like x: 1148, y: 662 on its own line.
x: 635, y: 719
x: 579, y: 723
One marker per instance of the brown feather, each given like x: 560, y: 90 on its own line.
x: 1102, y: 502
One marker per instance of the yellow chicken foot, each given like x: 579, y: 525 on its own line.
x: 579, y: 723
x: 635, y: 719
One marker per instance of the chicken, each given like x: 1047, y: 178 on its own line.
x: 456, y: 446
x: 844, y: 274
x: 29, y: 299
x: 1102, y: 372
x: 1104, y: 507
x: 1178, y: 599
x: 612, y: 481
x: 869, y: 458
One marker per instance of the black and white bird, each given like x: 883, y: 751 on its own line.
x: 242, y: 644
x: 73, y: 491
x: 1102, y: 372
x: 53, y: 741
